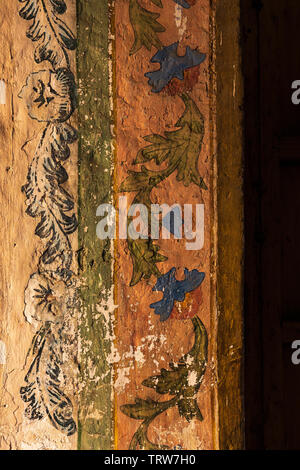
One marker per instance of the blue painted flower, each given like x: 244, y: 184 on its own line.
x: 174, y: 290
x: 182, y: 3
x: 172, y: 65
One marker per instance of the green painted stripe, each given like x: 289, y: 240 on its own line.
x: 95, y: 428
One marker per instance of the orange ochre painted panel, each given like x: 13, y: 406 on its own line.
x: 108, y: 344
x: 145, y: 344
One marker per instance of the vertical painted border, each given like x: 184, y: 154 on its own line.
x: 96, y: 429
x: 214, y: 225
x: 95, y: 420
x: 230, y: 225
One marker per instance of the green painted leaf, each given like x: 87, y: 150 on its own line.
x: 145, y: 27
x: 181, y: 148
x: 169, y: 381
x: 189, y: 409
x: 158, y: 151
x: 158, y: 3
x: 144, y: 255
x: 141, y: 409
x: 184, y: 378
x: 141, y: 180
x: 197, y: 357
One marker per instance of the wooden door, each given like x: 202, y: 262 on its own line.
x: 270, y: 32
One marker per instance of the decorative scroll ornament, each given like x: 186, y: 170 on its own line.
x: 50, y: 296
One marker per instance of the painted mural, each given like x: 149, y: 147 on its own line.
x: 167, y: 285
x: 117, y: 350
x: 181, y: 149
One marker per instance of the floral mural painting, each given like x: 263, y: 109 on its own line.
x: 184, y: 378
x: 51, y: 298
x: 49, y: 95
x: 177, y: 152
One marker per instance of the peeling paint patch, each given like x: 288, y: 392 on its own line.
x: 123, y: 378
x: 41, y: 436
x: 2, y: 92
x: 180, y: 20
x: 2, y: 353
x: 192, y: 379
x: 187, y: 437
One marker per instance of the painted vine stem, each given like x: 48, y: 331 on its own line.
x: 50, y: 296
x: 178, y: 151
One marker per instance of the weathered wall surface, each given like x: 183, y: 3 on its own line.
x: 110, y: 344
x: 35, y: 283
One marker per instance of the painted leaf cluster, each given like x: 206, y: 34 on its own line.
x: 176, y: 381
x: 179, y: 148
x: 52, y: 35
x: 50, y: 98
x: 183, y: 381
x: 145, y: 26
